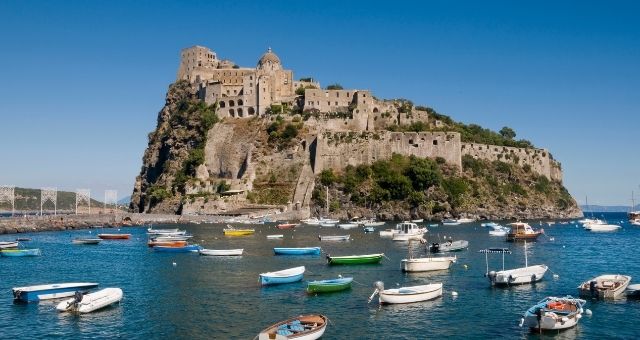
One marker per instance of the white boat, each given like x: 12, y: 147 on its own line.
x: 50, y: 291
x: 273, y: 237
x: 303, y: 327
x: 424, y: 264
x: 635, y: 222
x: 390, y: 232
x: 450, y: 221
x: 499, y: 232
x: 554, y: 313
x: 466, y: 220
x: 172, y: 238
x: 327, y: 224
x: 221, y: 252
x: 406, y: 294
x: 10, y: 244
x: 311, y: 221
x: 601, y: 227
x: 347, y: 225
x: 334, y: 237
x: 419, y: 220
x: 91, y: 302
x: 161, y: 231
x: 373, y: 223
x: 282, y: 276
x: 329, y: 220
x: 523, y: 275
x: 489, y: 224
x: 608, y: 286
x: 408, y: 230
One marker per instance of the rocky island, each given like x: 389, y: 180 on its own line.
x: 236, y: 140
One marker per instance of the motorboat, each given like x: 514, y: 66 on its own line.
x: 369, y: 229
x: 502, y: 231
x: 282, y: 276
x: 297, y: 251
x: 334, y: 237
x: 554, y: 313
x: 466, y: 220
x: 633, y: 291
x: 390, y: 232
x: 91, y: 302
x: 114, y: 236
x: 406, y: 294
x: 408, y: 230
x: 347, y: 225
x: 329, y: 286
x: 373, y: 223
x: 9, y: 245
x: 419, y: 220
x: 450, y: 221
x: 521, y: 231
x: 607, y: 287
x: 602, y: 227
x: 425, y: 264
x: 523, y: 275
x: 50, y: 291
x: 489, y: 224
x: 275, y: 237
x: 86, y: 241
x: 221, y: 252
x: 286, y: 225
x: 448, y: 246
x: 303, y: 327
x: 311, y: 221
x: 355, y: 259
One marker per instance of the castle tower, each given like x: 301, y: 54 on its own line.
x: 269, y: 62
x: 195, y: 60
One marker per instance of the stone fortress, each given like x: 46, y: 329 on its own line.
x: 336, y: 116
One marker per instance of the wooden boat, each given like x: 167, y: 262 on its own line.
x: 523, y: 275
x: 171, y: 238
x: 91, y: 302
x: 282, y: 276
x: 522, y: 232
x: 355, y: 259
x: 448, y: 246
x: 221, y: 252
x: 303, y: 327
x: 297, y: 251
x: 329, y: 286
x: 184, y: 249
x: 334, y: 237
x: 167, y: 243
x: 406, y: 294
x: 86, y: 241
x: 424, y: 264
x: 553, y: 313
x: 50, y: 291
x: 408, y: 230
x: 114, y: 236
x: 231, y: 231
x: 9, y: 245
x: 608, y: 286
x: 286, y: 226
x: 20, y: 252
x: 275, y: 237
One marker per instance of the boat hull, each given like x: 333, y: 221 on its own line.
x: 20, y: 252
x: 297, y: 251
x: 87, y: 241
x: 114, y: 236
x: 185, y: 249
x: 92, y: 302
x: 238, y: 232
x: 50, y: 291
x: 334, y: 238
x: 518, y: 276
x: 522, y: 237
x: 426, y: 264
x: 313, y: 326
x: 221, y: 252
x: 410, y: 294
x: 605, y: 287
x: 449, y: 247
x: 8, y: 245
x: 329, y: 286
x: 283, y: 276
x: 357, y: 259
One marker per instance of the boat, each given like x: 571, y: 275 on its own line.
x: 221, y: 252
x: 450, y: 221
x: 50, y: 291
x: 601, y: 227
x: 608, y: 286
x: 154, y: 243
x: 327, y: 225
x: 20, y: 252
x: 373, y: 223
x: 466, y: 220
x: 347, y: 225
x: 161, y: 231
x: 554, y: 313
x: 329, y: 221
x: 390, y: 232
x: 231, y: 231
x: 407, y: 230
x: 297, y: 251
x: 633, y: 290
x: 9, y: 245
x: 91, y: 302
x: 406, y: 294
x: 523, y: 275
x: 311, y: 221
x: 286, y: 226
x: 274, y: 237
x: 303, y: 327
x: 329, y: 286
x: 114, y: 236
x: 489, y: 224
x: 635, y: 222
x: 448, y: 246
x: 521, y: 231
x: 283, y: 276
x: 369, y: 229
x: 334, y: 237
x: 499, y: 232
x: 355, y: 259
x: 183, y: 249
x: 86, y: 240
x: 23, y: 239
x: 425, y: 264
x: 419, y: 220
x: 171, y: 238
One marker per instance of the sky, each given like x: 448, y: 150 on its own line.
x: 81, y: 82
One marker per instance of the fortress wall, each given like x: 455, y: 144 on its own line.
x: 556, y: 171
x: 336, y: 150
x: 538, y: 159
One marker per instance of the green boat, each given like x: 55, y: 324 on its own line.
x: 328, y: 286
x: 355, y: 259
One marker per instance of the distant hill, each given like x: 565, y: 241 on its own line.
x: 125, y: 200
x: 29, y: 199
x: 607, y: 208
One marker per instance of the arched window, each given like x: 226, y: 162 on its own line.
x: 240, y: 102
x: 252, y: 111
x: 222, y: 104
x: 239, y: 112
x: 375, y: 110
x: 232, y: 113
x: 232, y: 103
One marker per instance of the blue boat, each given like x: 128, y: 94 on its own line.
x: 369, y: 229
x: 185, y: 249
x: 297, y: 251
x: 282, y: 276
x: 20, y: 252
x: 50, y: 291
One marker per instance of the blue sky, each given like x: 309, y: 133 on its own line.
x: 82, y: 81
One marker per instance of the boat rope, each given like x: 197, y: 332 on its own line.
x: 360, y: 283
x: 385, y: 256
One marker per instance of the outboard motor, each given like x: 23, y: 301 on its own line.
x: 435, y: 247
x: 592, y: 288
x: 492, y: 276
x: 379, y: 286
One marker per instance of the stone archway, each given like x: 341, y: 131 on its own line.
x: 232, y: 113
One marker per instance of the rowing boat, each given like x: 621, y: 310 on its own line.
x: 303, y: 327
x: 8, y: 245
x: 355, y: 259
x: 20, y: 252
x: 167, y: 243
x: 334, y: 237
x: 114, y: 236
x: 328, y: 286
x: 86, y: 241
x: 282, y: 276
x: 406, y: 294
x: 221, y: 252
x: 286, y: 226
x: 230, y: 231
x: 50, y: 291
x: 297, y: 251
x: 184, y: 249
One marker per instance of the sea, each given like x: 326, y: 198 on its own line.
x: 187, y: 296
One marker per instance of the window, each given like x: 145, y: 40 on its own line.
x: 435, y: 142
x: 329, y: 103
x: 232, y: 103
x: 336, y: 103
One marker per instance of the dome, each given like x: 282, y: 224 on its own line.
x: 269, y: 59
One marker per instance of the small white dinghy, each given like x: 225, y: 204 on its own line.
x: 406, y: 294
x: 522, y: 275
x: 91, y: 302
x: 608, y: 286
x: 221, y: 252
x: 554, y: 313
x: 275, y: 237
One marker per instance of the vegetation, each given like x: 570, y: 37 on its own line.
x: 335, y: 86
x: 281, y: 134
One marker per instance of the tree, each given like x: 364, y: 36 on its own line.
x: 335, y: 86
x: 508, y: 133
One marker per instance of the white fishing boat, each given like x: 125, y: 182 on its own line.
x: 373, y: 223
x: 523, y: 275
x: 347, y: 225
x: 275, y: 237
x: 8, y: 245
x: 425, y: 264
x: 553, y: 313
x: 334, y: 237
x: 601, y: 227
x: 466, y: 220
x: 91, y: 302
x: 221, y: 252
x: 408, y: 230
x: 499, y: 232
x: 450, y: 221
x: 303, y: 327
x: 608, y: 286
x: 406, y: 294
x: 419, y: 220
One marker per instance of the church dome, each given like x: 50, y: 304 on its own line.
x: 269, y: 60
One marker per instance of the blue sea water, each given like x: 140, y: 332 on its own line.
x: 219, y: 298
